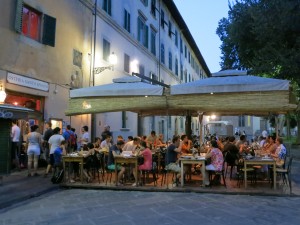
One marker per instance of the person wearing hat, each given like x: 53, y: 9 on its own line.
x: 113, y: 151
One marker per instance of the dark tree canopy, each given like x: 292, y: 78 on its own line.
x: 262, y: 36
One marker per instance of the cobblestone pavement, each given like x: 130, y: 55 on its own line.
x: 75, y: 206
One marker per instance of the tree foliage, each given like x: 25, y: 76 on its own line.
x: 262, y: 36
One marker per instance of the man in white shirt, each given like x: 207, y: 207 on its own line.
x: 85, y: 138
x: 15, y: 141
x: 132, y: 145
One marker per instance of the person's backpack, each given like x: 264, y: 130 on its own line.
x: 72, y: 140
x: 58, y: 177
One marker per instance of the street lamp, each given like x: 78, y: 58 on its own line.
x: 112, y: 59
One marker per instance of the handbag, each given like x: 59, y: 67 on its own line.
x: 140, y: 160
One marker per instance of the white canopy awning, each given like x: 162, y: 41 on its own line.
x: 125, y: 86
x: 230, y: 84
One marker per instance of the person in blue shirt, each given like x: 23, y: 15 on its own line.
x: 58, y: 153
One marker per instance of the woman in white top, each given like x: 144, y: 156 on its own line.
x: 54, y: 142
x: 34, y: 140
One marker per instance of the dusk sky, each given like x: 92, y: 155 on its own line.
x: 202, y: 17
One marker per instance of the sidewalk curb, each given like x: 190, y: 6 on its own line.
x: 7, y: 204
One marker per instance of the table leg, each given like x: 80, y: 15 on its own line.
x: 274, y: 176
x: 203, y: 172
x: 81, y: 172
x: 64, y: 166
x: 245, y: 174
x: 136, y: 172
x: 116, y: 173
x: 182, y: 175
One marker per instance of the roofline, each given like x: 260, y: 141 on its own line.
x: 186, y: 32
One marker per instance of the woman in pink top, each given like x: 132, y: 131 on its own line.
x: 147, y: 154
x: 216, y: 160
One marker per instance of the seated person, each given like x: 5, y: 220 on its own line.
x: 147, y: 154
x: 280, y: 153
x: 132, y: 145
x: 113, y: 151
x: 90, y: 158
x: 216, y: 161
x: 186, y: 144
x: 231, y: 151
x: 160, y: 141
x: 171, y: 156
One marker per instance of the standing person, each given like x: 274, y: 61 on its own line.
x: 54, y: 142
x: 85, y: 137
x: 106, y: 132
x: 76, y: 145
x: 47, y: 134
x: 69, y: 138
x: 34, y: 141
x: 15, y: 141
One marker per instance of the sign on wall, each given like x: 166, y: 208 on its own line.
x: 27, y: 82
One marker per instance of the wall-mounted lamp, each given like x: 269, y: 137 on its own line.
x: 112, y: 60
x: 2, y: 94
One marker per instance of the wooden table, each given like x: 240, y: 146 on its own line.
x: 69, y: 159
x: 192, y: 160
x: 260, y: 161
x: 119, y: 159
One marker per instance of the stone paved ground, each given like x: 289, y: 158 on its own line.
x: 76, y: 206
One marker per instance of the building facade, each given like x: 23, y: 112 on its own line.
x: 48, y: 47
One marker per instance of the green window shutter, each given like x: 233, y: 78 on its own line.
x: 19, y: 14
x: 49, y: 27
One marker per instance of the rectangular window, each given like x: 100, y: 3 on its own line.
x: 189, y: 57
x: 142, y: 69
x: 31, y: 23
x: 176, y: 66
x: 169, y: 122
x: 241, y: 121
x: 170, y: 29
x: 34, y: 24
x: 106, y: 49
x: 124, y: 119
x: 162, y: 53
x: 181, y: 47
x: 126, y: 20
x: 145, y: 2
x: 153, y: 42
x: 181, y: 122
x: 107, y: 6
x: 162, y: 19
x: 181, y: 72
x: 176, y: 38
x: 170, y: 61
x: 153, y: 77
x: 126, y: 63
x: 185, y: 76
x: 153, y: 8
x: 185, y: 51
x: 142, y: 32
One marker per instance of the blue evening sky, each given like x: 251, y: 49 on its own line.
x: 202, y: 17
